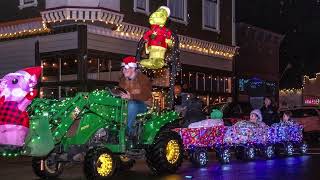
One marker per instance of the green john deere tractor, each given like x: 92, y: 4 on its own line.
x: 91, y: 128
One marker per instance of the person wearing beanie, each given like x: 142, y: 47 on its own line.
x: 255, y: 116
x: 138, y: 87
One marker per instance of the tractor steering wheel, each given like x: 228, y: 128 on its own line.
x: 117, y: 91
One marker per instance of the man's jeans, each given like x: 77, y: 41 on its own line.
x: 134, y: 107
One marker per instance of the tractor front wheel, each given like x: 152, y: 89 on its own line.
x: 99, y: 163
x: 47, y: 168
x: 165, y: 155
x: 125, y: 163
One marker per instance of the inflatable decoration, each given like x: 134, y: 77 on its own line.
x: 158, y: 38
x: 16, y: 93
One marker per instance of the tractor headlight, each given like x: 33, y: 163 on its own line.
x: 75, y: 112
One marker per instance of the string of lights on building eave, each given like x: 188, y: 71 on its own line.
x: 128, y: 32
x: 24, y: 32
x: 291, y: 91
x: 134, y: 32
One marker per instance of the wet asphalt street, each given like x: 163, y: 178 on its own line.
x: 292, y: 168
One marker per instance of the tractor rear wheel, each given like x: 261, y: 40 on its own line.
x: 165, y: 155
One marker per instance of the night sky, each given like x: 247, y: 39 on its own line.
x: 299, y: 22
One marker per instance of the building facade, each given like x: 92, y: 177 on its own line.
x: 80, y: 43
x: 257, y: 66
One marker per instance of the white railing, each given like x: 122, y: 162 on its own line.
x: 108, y: 4
x: 81, y: 14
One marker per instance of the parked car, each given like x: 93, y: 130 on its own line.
x: 232, y: 112
x: 309, y: 117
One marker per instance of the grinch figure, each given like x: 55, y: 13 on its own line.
x: 158, y: 38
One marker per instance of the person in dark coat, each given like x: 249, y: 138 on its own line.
x: 269, y: 113
x: 194, y: 111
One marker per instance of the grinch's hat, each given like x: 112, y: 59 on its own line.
x: 166, y: 9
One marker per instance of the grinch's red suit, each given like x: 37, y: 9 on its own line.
x: 157, y: 36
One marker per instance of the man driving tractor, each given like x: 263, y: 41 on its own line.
x: 138, y: 87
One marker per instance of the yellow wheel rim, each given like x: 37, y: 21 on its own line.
x: 172, y: 151
x: 104, y: 165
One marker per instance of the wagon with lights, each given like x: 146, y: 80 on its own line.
x: 198, y: 141
x: 287, y: 138
x: 246, y: 139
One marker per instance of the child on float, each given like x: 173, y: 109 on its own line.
x: 286, y: 118
x: 256, y: 117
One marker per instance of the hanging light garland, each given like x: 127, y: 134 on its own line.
x: 25, y: 32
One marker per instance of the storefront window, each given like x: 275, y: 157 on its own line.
x: 208, y: 83
x: 192, y: 81
x: 59, y: 69
x: 69, y: 68
x: 200, y: 81
x: 50, y: 71
x: 68, y: 91
x: 93, y: 68
x: 58, y: 92
x: 103, y: 68
x: 49, y: 92
x: 215, y: 84
x: 222, y: 85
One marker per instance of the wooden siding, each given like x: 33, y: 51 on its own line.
x: 205, y: 61
x: 109, y: 44
x: 58, y: 42
x: 16, y: 55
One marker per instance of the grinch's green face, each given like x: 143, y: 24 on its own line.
x: 159, y: 17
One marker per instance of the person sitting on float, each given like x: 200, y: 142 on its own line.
x: 138, y: 89
x: 286, y: 118
x: 256, y: 117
